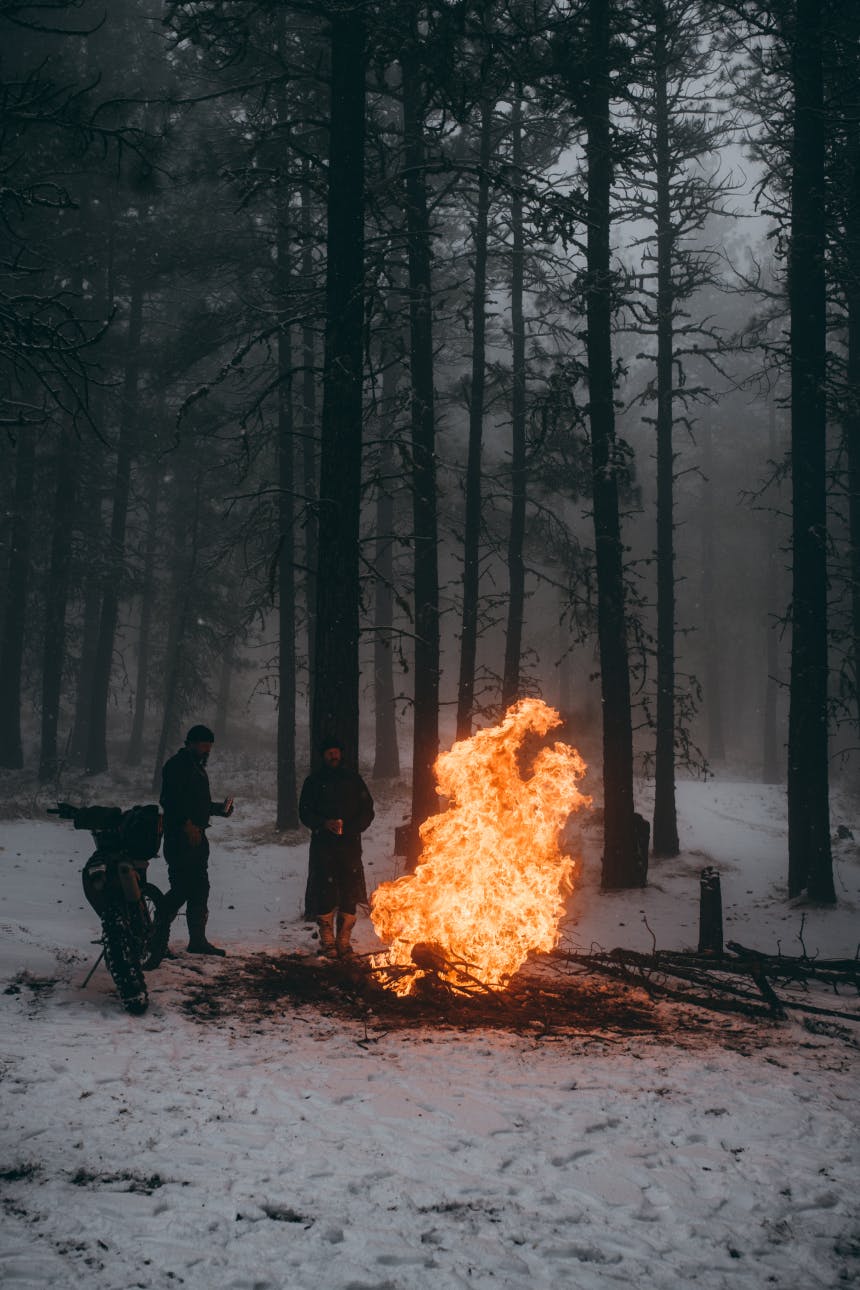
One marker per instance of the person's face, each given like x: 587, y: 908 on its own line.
x: 201, y: 750
x: 332, y: 757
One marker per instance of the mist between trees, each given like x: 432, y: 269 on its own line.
x: 369, y: 366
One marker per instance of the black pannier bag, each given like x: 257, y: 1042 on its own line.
x: 141, y: 832
x: 122, y: 836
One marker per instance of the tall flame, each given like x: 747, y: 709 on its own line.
x: 491, y: 884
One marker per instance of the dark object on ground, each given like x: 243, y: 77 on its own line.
x: 642, y: 839
x: 710, y: 912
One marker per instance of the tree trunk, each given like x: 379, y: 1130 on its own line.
x: 712, y: 679
x: 287, y: 791
x: 621, y: 866
x: 516, y: 536
x: 810, y: 864
x: 308, y: 432
x: 771, y: 760
x: 134, y: 756
x: 851, y: 421
x: 54, y: 651
x: 386, y: 763
x: 86, y: 668
x: 425, y: 736
x: 185, y: 543
x: 665, y: 830
x: 96, y: 756
x: 335, y: 698
x: 472, y: 528
x: 12, y: 647
x: 225, y: 689
x: 564, y: 665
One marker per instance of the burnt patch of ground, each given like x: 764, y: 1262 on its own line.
x: 537, y: 1003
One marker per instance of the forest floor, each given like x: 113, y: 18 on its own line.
x: 267, y: 1125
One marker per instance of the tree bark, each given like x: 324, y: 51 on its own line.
x: 54, y: 650
x: 96, y: 756
x: 425, y: 737
x: 386, y: 762
x: 665, y: 830
x: 516, y: 535
x: 716, y: 745
x: 308, y: 433
x: 287, y: 790
x: 851, y: 420
x: 771, y: 761
x: 134, y: 755
x: 335, y: 697
x: 472, y: 526
x: 186, y: 531
x: 86, y: 668
x: 621, y: 868
x: 810, y: 863
x: 12, y: 646
x: 225, y: 689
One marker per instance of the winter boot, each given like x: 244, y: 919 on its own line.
x: 206, y: 947
x: 327, y: 945
x: 197, y: 942
x: 345, y: 924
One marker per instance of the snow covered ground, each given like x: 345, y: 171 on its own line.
x: 294, y: 1149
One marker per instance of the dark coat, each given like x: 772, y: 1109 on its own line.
x: 185, y: 796
x: 335, y: 872
x: 185, y: 791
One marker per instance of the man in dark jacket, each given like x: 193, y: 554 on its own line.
x: 337, y: 807
x: 188, y: 805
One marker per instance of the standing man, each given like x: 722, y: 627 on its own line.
x: 337, y: 807
x: 187, y: 805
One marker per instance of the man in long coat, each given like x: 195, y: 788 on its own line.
x: 336, y: 806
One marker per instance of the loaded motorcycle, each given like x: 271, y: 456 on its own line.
x: 114, y: 881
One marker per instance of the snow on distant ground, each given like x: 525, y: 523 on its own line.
x: 293, y: 1149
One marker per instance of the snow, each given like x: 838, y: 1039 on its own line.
x: 297, y: 1149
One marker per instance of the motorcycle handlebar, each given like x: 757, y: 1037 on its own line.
x: 65, y: 810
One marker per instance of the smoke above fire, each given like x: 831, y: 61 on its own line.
x: 492, y: 882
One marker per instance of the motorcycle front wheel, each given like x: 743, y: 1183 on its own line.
x: 123, y: 960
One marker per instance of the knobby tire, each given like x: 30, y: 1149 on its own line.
x: 153, y: 946
x: 122, y: 957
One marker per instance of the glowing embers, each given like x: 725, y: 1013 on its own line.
x: 492, y: 880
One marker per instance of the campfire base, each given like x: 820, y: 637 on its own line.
x: 671, y: 997
x: 540, y: 1000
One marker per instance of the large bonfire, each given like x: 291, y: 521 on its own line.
x: 491, y: 884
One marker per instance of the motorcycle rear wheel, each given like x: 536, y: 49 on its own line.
x: 154, y: 942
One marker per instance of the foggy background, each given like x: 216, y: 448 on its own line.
x: 164, y: 223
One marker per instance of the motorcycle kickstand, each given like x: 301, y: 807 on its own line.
x: 92, y: 969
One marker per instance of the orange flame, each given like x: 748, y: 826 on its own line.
x: 491, y: 884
